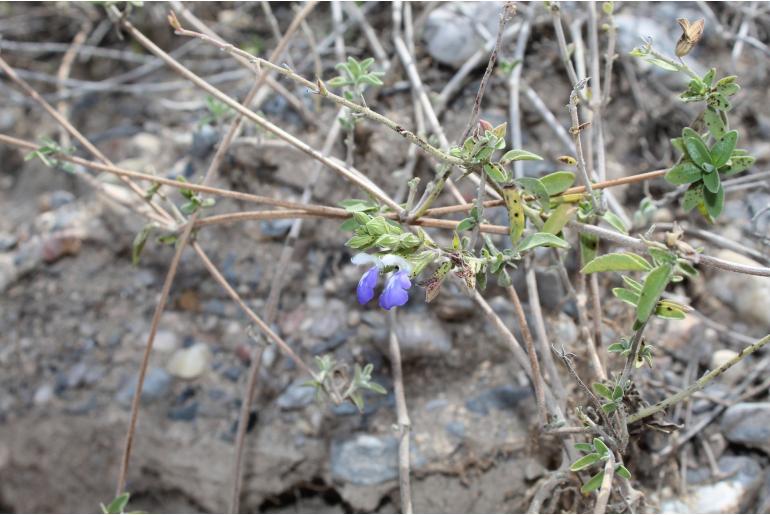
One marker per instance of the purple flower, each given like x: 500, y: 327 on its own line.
x: 366, y: 285
x: 395, y: 292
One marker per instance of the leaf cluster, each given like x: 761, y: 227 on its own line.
x: 595, y: 452
x: 330, y: 379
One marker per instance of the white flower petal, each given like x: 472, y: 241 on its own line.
x: 365, y: 259
x: 401, y: 263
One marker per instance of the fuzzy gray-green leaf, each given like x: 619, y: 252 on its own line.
x: 654, y: 286
x: 723, y: 148
x: 617, y: 262
x: 685, y: 172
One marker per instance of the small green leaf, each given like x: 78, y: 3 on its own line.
x: 623, y: 472
x: 662, y: 64
x: 737, y: 164
x: 496, y: 173
x: 617, y: 262
x: 715, y: 202
x: 361, y: 218
x: 626, y: 295
x: 616, y: 347
x: 519, y: 155
x: 348, y: 225
x: 377, y: 226
x: 605, y: 392
x: 541, y: 239
x: 692, y: 197
x: 585, y: 461
x: 685, y: 172
x: 634, y: 285
x: 537, y: 188
x: 593, y: 483
x: 559, y: 218
x: 589, y: 245
x: 697, y: 150
x: 118, y: 504
x: 723, y: 148
x: 387, y: 240
x: 678, y: 144
x: 609, y: 407
x: 375, y: 387
x: 615, y: 221
x: 654, y: 285
x: 708, y: 79
x: 714, y: 122
x: 718, y: 101
x: 727, y: 89
x: 669, y: 311
x: 557, y: 182
x: 359, y: 241
x: 190, y: 207
x: 711, y: 182
x: 139, y: 241
x: 358, y: 400
x: 354, y: 205
x: 408, y: 241
x: 466, y: 224
x: 600, y: 447
x: 617, y: 393
x: 584, y: 447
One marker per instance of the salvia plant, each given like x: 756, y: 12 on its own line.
x: 395, y: 256
x: 708, y: 147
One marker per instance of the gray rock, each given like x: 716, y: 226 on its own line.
x: 450, y: 34
x: 747, y: 295
x: 734, y: 494
x: 203, y: 141
x: 7, y: 241
x: 275, y: 228
x: 232, y: 373
x: 550, y: 289
x: 55, y: 200
x: 365, y: 459
x: 157, y: 383
x: 763, y: 504
x: 748, y: 423
x: 326, y: 320
x: 184, y: 413
x: 296, y: 396
x: 456, y: 429
x: 43, y: 394
x: 562, y: 330
x: 505, y: 397
x: 421, y: 335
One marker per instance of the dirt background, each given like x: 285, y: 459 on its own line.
x: 74, y: 311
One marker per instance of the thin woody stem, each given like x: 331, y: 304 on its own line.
x: 319, y: 88
x: 356, y: 178
x: 631, y: 179
x: 402, y: 414
x: 698, y: 385
x: 537, y: 377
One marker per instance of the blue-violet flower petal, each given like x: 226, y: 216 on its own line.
x: 366, y: 285
x: 395, y: 292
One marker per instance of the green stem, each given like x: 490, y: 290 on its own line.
x: 699, y: 384
x: 679, y: 65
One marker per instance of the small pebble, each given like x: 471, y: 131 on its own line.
x: 189, y: 363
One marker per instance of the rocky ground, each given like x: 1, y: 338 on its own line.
x: 75, y: 312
